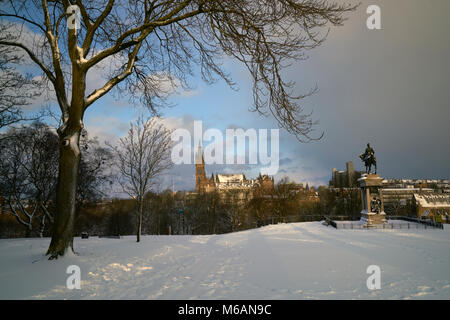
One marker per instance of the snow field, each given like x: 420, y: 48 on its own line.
x: 284, y: 261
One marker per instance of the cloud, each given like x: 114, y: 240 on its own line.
x: 285, y: 161
x: 106, y: 129
x: 388, y: 87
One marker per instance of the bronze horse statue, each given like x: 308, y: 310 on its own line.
x: 369, y: 161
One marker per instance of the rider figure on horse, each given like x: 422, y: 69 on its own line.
x: 369, y: 158
x: 369, y: 151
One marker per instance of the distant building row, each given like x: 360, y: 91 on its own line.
x: 349, y: 179
x: 345, y: 179
x: 429, y: 197
x: 228, y: 182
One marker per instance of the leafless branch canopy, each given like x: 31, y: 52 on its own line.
x: 142, y: 156
x: 16, y: 90
x: 144, y: 41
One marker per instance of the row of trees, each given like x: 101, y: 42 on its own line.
x: 209, y: 213
x: 235, y: 210
x: 29, y: 172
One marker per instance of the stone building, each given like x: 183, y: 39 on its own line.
x: 347, y: 178
x: 435, y: 206
x: 442, y: 185
x: 395, y: 198
x: 228, y: 182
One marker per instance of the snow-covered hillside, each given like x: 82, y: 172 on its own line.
x: 285, y: 261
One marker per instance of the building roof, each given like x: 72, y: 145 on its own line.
x: 409, y: 190
x: 231, y: 178
x: 433, y: 200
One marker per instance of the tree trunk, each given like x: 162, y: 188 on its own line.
x: 66, y: 193
x: 139, y: 225
x: 29, y: 230
x: 41, y: 231
x: 69, y: 162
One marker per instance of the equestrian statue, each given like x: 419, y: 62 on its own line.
x: 368, y: 157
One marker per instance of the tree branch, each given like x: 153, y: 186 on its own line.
x: 93, y: 27
x: 32, y: 56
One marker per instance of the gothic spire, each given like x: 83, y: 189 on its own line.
x: 199, y: 159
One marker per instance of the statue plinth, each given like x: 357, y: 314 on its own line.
x: 372, y: 200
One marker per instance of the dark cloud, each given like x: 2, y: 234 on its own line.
x: 388, y: 87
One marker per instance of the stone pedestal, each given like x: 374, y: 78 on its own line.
x: 372, y: 213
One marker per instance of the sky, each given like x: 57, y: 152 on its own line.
x: 386, y: 87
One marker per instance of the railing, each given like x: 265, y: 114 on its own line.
x: 352, y: 222
x: 302, y: 218
x: 429, y: 223
x: 393, y: 225
x: 411, y: 223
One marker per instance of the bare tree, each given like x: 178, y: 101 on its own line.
x: 95, y: 175
x: 28, y: 172
x: 16, y: 90
x: 40, y: 144
x: 142, y: 156
x: 15, y: 186
x: 148, y: 43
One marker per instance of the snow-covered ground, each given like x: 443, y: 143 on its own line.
x: 285, y: 261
